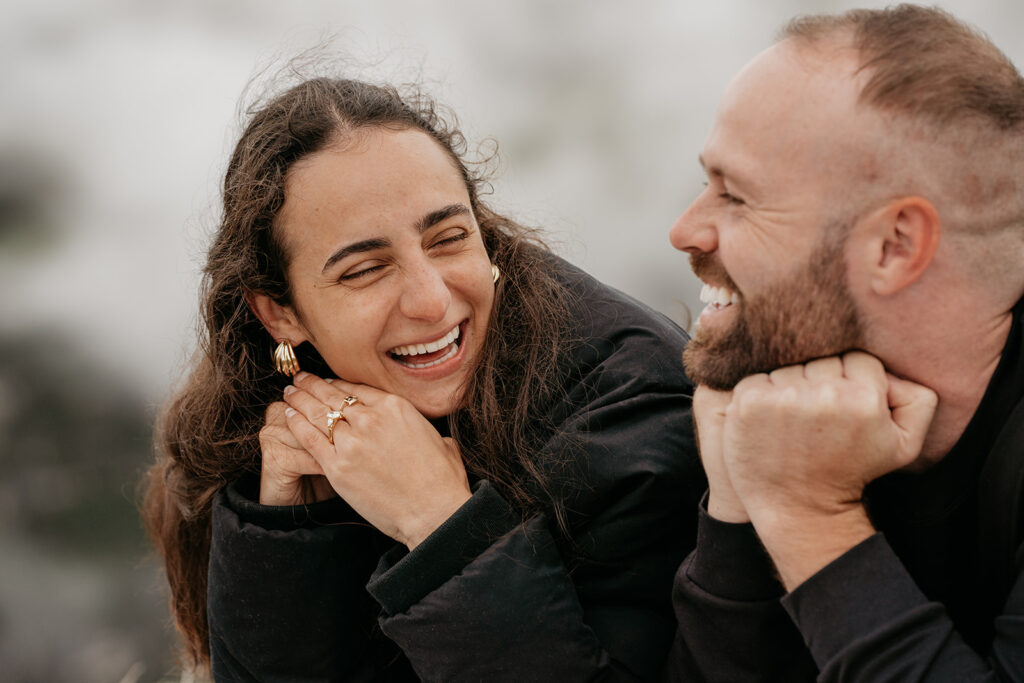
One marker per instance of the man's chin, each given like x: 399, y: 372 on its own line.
x: 722, y: 367
x: 713, y: 367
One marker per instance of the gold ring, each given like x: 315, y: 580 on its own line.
x: 333, y: 416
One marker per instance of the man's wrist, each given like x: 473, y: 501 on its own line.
x: 802, y: 542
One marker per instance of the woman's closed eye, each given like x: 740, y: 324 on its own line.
x: 449, y: 238
x: 362, y: 270
x: 365, y: 272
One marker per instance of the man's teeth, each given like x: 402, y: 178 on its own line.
x: 430, y: 347
x: 719, y: 296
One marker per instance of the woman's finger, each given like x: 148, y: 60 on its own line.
x: 275, y: 414
x: 335, y: 390
x: 276, y: 426
x: 279, y: 433
x: 313, y: 438
x: 311, y: 408
x: 344, y: 397
x: 282, y: 472
x: 294, y: 461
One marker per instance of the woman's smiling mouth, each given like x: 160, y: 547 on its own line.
x: 429, y: 354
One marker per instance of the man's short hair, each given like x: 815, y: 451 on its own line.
x: 954, y: 105
x: 926, y: 63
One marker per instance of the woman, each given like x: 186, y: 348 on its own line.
x: 485, y: 469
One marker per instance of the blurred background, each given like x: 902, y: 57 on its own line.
x: 116, y: 119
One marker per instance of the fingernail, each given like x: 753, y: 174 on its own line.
x: 302, y: 375
x: 329, y: 380
x: 288, y: 389
x: 289, y: 411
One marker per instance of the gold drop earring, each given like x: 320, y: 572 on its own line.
x: 285, y: 361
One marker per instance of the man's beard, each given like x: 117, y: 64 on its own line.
x: 809, y: 315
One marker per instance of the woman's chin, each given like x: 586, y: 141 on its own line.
x: 434, y: 407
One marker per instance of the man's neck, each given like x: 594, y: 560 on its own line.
x: 955, y: 357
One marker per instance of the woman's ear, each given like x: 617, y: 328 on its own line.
x: 280, y: 321
x: 902, y: 239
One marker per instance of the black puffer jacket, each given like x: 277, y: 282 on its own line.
x: 494, y: 594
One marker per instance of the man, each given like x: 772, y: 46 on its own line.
x: 861, y: 241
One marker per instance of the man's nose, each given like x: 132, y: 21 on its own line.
x: 694, y: 231
x: 425, y: 295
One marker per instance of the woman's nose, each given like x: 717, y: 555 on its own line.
x: 694, y: 232
x: 426, y: 295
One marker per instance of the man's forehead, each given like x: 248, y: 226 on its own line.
x: 789, y: 104
x: 799, y: 74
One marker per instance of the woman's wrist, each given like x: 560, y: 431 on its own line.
x: 425, y: 524
x: 276, y: 494
x: 302, y: 490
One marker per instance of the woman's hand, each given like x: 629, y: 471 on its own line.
x: 387, y: 461
x: 286, y: 465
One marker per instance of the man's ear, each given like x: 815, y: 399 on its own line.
x: 902, y: 239
x: 280, y: 321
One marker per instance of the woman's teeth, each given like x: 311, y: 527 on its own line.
x: 719, y: 297
x: 429, y: 347
x: 454, y: 350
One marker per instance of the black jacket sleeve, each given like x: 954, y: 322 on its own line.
x: 865, y: 619
x: 285, y: 585
x: 732, y: 626
x: 862, y: 618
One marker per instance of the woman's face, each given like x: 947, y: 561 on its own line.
x: 389, y: 277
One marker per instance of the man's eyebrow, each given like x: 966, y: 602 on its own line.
x: 741, y: 182
x: 714, y: 170
x: 435, y: 217
x: 356, y: 248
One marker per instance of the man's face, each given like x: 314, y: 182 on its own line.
x: 767, y: 234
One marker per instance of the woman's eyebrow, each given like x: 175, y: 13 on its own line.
x: 355, y: 248
x: 435, y: 217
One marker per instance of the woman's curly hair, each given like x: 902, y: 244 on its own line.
x: 207, y: 433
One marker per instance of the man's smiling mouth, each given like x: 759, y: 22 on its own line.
x: 718, y: 297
